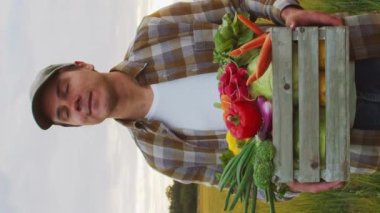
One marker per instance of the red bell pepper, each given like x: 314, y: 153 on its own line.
x: 243, y: 119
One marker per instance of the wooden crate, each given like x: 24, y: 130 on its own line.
x: 337, y: 103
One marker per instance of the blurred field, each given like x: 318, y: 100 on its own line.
x: 210, y: 200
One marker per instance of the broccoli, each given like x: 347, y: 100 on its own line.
x: 265, y: 151
x: 262, y: 163
x: 263, y: 174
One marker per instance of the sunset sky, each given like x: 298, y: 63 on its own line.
x: 93, y: 169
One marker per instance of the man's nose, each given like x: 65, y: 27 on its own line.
x: 77, y: 104
x: 74, y: 103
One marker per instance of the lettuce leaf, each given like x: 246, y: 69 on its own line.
x: 230, y: 35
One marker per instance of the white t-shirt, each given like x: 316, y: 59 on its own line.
x: 188, y: 103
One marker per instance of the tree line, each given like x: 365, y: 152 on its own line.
x: 182, y: 197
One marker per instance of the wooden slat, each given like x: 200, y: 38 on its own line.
x: 282, y: 103
x: 337, y: 122
x: 308, y: 80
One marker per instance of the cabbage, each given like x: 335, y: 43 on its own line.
x: 264, y: 86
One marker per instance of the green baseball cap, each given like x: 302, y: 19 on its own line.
x: 36, y: 90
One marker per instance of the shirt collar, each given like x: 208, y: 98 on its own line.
x: 132, y: 68
x: 133, y: 124
x: 152, y: 126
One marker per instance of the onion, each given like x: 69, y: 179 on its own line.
x: 266, y: 111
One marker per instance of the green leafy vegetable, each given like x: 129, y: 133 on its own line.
x: 231, y: 34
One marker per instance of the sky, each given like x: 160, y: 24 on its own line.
x: 92, y: 169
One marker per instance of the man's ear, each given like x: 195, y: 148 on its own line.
x: 82, y: 64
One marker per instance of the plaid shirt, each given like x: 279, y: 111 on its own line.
x: 176, y: 42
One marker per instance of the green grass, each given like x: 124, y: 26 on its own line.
x: 337, y: 6
x: 361, y: 194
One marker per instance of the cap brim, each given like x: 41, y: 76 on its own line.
x: 37, y: 88
x: 40, y: 118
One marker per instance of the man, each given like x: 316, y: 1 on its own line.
x: 178, y: 135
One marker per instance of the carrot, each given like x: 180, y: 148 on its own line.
x: 264, y: 60
x: 254, y: 42
x: 257, y: 42
x: 252, y: 26
x: 236, y: 52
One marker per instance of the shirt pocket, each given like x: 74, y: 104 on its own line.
x: 204, y: 36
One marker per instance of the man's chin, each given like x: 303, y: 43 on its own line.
x: 100, y: 119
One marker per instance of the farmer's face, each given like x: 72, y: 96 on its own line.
x: 78, y: 97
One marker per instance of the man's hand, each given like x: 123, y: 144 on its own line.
x: 295, y: 17
x: 314, y: 187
